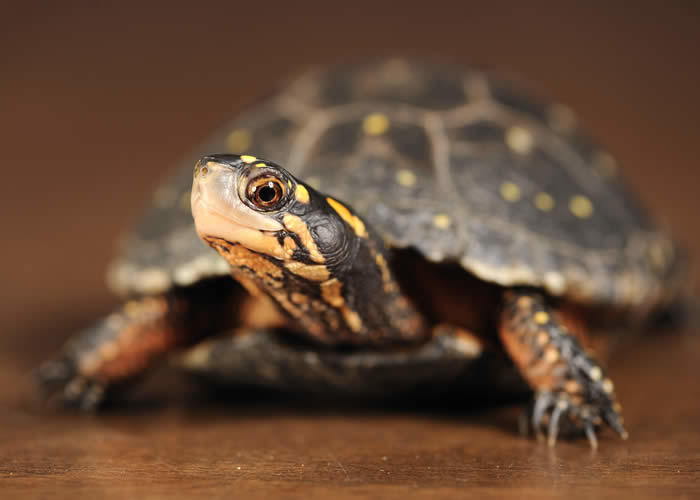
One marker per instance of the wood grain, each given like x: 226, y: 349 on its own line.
x: 97, y: 101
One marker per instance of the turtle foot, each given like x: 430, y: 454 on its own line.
x: 559, y: 413
x: 61, y: 378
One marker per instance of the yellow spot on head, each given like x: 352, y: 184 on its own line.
x: 544, y: 202
x: 352, y: 319
x: 441, y: 221
x: 405, y: 178
x: 541, y: 318
x: 519, y: 140
x: 289, y: 246
x: 375, y: 124
x: 354, y: 221
x: 313, y: 272
x: 294, y: 224
x: 581, y: 206
x: 331, y: 292
x: 299, y: 298
x: 301, y: 194
x: 248, y: 158
x: 260, y: 165
x: 510, y: 192
x: 238, y: 140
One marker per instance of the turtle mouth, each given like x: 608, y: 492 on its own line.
x: 218, y: 211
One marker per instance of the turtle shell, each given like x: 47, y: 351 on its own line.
x: 451, y: 162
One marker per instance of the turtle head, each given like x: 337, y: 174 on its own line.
x: 256, y: 204
x: 307, y: 251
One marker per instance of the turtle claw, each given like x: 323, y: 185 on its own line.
x: 53, y: 375
x: 61, y: 376
x: 589, y: 429
x: 558, y: 413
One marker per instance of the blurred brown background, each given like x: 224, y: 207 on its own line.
x: 99, y: 99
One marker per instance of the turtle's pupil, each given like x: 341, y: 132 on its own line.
x: 266, y: 194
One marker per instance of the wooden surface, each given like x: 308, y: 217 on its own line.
x: 97, y: 102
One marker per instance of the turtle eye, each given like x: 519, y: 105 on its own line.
x: 266, y: 192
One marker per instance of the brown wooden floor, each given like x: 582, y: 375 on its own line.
x: 97, y: 102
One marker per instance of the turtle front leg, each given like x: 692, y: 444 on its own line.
x: 571, y: 389
x: 122, y: 346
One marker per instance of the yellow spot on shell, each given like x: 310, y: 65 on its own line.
x: 405, y: 178
x: 354, y: 221
x: 375, y: 124
x: 238, y: 140
x: 510, y: 192
x: 441, y: 221
x: 301, y: 194
x: 581, y: 206
x: 541, y: 318
x: 544, y: 202
x: 519, y: 140
x: 248, y: 158
x: 596, y: 373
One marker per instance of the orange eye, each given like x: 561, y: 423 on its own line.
x: 266, y: 192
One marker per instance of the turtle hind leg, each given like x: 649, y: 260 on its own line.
x: 122, y: 346
x: 572, y: 392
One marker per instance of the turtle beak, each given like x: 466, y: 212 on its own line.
x: 216, y: 206
x: 203, y: 172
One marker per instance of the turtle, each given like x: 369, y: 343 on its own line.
x: 380, y: 226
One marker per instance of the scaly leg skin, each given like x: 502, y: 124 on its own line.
x: 571, y: 389
x: 126, y: 343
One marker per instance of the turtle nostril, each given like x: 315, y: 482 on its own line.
x: 200, y: 171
